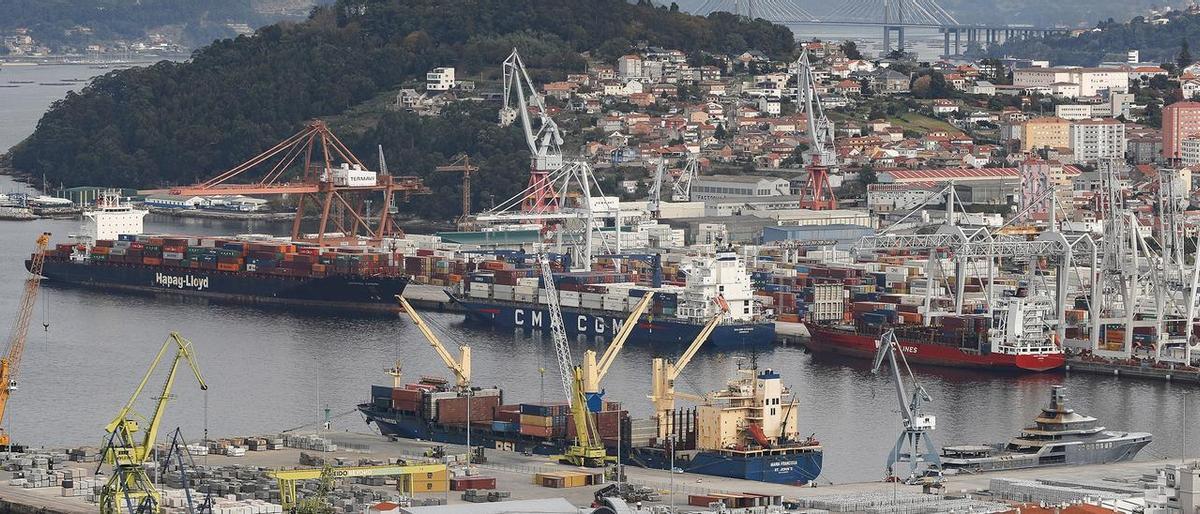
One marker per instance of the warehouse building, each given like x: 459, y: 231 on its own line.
x: 714, y: 187
x: 839, y: 236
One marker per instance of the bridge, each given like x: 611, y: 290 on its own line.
x: 894, y: 16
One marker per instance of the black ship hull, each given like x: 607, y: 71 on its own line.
x: 352, y: 293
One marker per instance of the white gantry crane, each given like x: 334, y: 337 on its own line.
x: 654, y: 203
x: 821, y: 158
x: 545, y: 143
x: 681, y: 190
x: 915, y: 444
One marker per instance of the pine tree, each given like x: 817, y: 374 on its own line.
x: 1185, y: 56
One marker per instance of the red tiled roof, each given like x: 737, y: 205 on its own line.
x: 942, y: 174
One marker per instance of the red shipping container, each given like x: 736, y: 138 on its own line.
x: 464, y: 483
x: 536, y: 431
x: 454, y: 410
x: 511, y: 416
x: 406, y: 395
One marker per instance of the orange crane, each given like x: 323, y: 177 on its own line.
x: 318, y: 152
x: 11, y: 361
x: 462, y: 164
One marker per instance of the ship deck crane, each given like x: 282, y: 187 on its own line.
x: 664, y: 372
x: 915, y: 444
x: 461, y: 367
x: 594, y: 370
x: 10, y: 363
x: 129, y: 489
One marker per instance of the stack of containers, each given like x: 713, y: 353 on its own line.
x: 544, y: 420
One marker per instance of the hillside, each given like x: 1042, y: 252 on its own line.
x: 175, y: 123
x: 76, y: 23
x: 1156, y: 42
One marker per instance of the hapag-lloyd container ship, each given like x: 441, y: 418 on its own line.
x: 597, y: 303
x: 113, y: 254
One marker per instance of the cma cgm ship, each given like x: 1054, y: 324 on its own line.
x: 597, y: 303
x: 765, y: 446
x: 1014, y: 338
x: 113, y: 254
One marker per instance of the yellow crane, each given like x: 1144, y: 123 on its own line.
x: 129, y: 489
x: 461, y: 367
x: 11, y: 361
x: 594, y: 370
x: 664, y: 372
x: 287, y: 478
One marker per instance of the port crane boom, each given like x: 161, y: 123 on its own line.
x: 915, y: 444
x: 665, y: 372
x: 10, y: 363
x: 545, y: 144
x: 461, y: 367
x: 594, y: 370
x: 129, y: 488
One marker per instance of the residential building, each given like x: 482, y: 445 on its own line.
x: 1090, y: 81
x: 1073, y: 111
x: 440, y: 79
x: 629, y: 67
x: 1098, y: 139
x: 983, y: 87
x: 1180, y: 121
x: 715, y: 187
x: 889, y: 81
x: 1189, y: 151
x: 1046, y: 132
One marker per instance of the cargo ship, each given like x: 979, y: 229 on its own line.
x: 767, y: 448
x: 1013, y: 339
x: 112, y: 254
x: 749, y: 430
x: 596, y: 303
x: 1059, y: 437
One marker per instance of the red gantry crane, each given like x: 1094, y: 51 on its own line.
x: 330, y: 175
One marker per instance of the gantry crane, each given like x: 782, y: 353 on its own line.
x: 818, y: 192
x: 654, y: 203
x: 461, y: 367
x: 545, y: 144
x: 664, y: 372
x: 129, y: 489
x: 594, y: 370
x: 462, y: 164
x: 317, y: 152
x: 915, y: 444
x: 681, y: 190
x: 10, y: 363
x: 287, y: 478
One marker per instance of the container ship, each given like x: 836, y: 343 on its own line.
x: 113, y: 254
x: 1013, y: 339
x: 767, y: 448
x: 1060, y: 436
x: 596, y: 303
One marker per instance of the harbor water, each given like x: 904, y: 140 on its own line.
x: 271, y: 369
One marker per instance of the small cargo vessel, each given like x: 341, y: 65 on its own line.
x: 1013, y: 339
x: 596, y: 303
x: 1059, y: 436
x: 113, y: 254
x: 748, y: 430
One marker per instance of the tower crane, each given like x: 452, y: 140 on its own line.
x: 461, y: 367
x: 10, y: 363
x: 545, y: 144
x: 587, y: 450
x: 462, y: 164
x: 129, y: 489
x: 594, y: 370
x: 915, y: 444
x: 664, y: 372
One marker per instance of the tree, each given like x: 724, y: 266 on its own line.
x: 1185, y: 56
x: 867, y: 175
x: 720, y: 133
x: 850, y: 49
x: 929, y: 83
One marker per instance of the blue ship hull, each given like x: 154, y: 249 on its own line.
x: 779, y: 466
x: 652, y: 329
x: 795, y: 466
